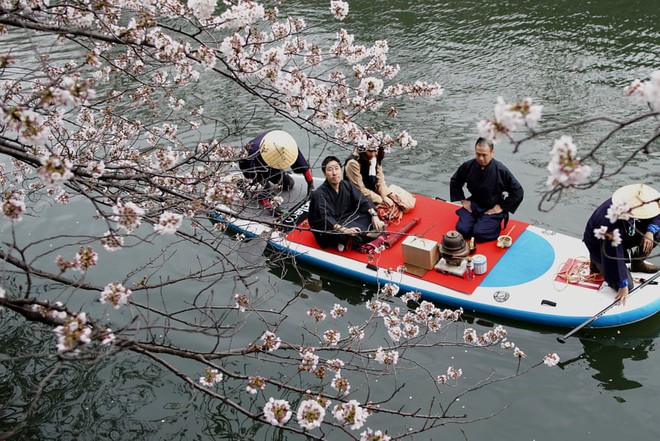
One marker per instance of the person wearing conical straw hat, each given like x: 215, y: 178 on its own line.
x: 267, y: 156
x: 625, y: 228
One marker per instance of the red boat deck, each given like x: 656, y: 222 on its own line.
x: 435, y: 219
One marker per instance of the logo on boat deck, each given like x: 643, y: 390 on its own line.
x: 501, y: 296
x: 296, y: 216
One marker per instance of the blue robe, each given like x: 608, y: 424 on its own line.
x: 612, y: 260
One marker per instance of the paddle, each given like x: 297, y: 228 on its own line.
x: 603, y: 311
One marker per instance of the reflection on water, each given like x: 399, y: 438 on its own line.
x: 607, y: 358
x: 320, y: 280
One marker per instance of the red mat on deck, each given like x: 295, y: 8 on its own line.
x: 436, y: 218
x: 577, y: 272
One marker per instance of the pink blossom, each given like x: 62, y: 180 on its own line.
x: 242, y: 14
x: 518, y: 353
x: 317, y: 313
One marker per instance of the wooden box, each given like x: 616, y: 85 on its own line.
x: 420, y: 252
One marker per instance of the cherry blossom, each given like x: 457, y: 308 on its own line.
x: 115, y: 294
x: 317, y: 313
x: 309, y: 360
x: 255, y: 384
x: 211, y: 377
x: 128, y: 216
x: 351, y: 413
x: 111, y: 241
x: 551, y: 359
x: 168, y: 223
x: 331, y: 337
x: 603, y: 233
x: 389, y: 290
x: 374, y: 435
x: 338, y: 311
x: 645, y: 92
x: 508, y: 118
x: 565, y: 167
x: 85, y: 259
x: 13, y: 207
x: 618, y: 211
x: 386, y: 357
x: 73, y: 333
x: 310, y: 414
x: 339, y: 9
x: 271, y: 342
x: 277, y: 412
x: 242, y: 302
x: 340, y: 384
x: 518, y: 353
x: 54, y: 171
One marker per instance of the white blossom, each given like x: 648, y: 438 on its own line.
x: 277, y: 412
x: 168, y: 223
x: 551, y: 359
x: 339, y: 9
x: 310, y: 414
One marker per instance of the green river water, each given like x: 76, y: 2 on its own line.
x: 574, y: 57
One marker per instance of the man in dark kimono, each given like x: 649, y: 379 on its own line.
x: 339, y: 214
x: 494, y: 193
x: 267, y: 156
x: 638, y: 235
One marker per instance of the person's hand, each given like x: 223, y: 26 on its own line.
x: 378, y: 224
x: 647, y: 242
x: 621, y: 295
x: 496, y: 209
x: 310, y: 187
x: 352, y: 230
x: 467, y: 204
x: 388, y: 201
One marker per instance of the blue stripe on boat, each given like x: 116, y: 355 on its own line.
x: 516, y: 268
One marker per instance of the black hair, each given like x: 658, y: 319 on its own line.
x: 327, y: 160
x: 484, y: 142
x: 379, y: 157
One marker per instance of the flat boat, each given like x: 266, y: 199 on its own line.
x: 542, y: 278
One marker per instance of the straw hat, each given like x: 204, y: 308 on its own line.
x: 642, y: 199
x: 278, y: 149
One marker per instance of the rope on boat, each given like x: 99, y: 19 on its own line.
x: 576, y: 273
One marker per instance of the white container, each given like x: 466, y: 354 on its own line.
x: 480, y: 264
